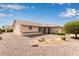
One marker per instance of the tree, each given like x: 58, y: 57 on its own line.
x: 72, y: 28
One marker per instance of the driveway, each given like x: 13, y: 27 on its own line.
x: 19, y: 46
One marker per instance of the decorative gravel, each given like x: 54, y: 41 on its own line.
x: 15, y: 45
x: 48, y: 42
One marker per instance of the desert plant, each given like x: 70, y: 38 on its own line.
x: 52, y: 33
x: 61, y: 33
x: 58, y: 33
x: 72, y: 28
x: 7, y: 30
x: 63, y: 38
x: 41, y: 40
x: 35, y: 45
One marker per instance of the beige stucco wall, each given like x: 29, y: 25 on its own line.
x: 56, y: 29
x: 17, y: 29
x: 25, y: 28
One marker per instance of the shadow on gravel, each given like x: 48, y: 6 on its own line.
x: 0, y: 38
x: 32, y: 36
x: 75, y: 38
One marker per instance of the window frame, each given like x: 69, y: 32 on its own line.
x: 30, y: 27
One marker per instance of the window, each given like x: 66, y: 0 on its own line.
x: 30, y: 27
x: 40, y: 29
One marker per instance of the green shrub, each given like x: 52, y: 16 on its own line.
x: 63, y: 38
x: 58, y: 33
x: 72, y: 28
x: 52, y: 33
x: 7, y: 30
x: 61, y: 33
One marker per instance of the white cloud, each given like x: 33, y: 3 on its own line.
x: 11, y: 6
x: 30, y: 7
x: 2, y: 15
x: 70, y: 12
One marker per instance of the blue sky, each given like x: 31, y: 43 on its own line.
x: 51, y: 13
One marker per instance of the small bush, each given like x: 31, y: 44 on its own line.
x: 2, y: 30
x: 7, y: 30
x: 61, y: 33
x: 35, y: 45
x: 41, y: 40
x: 53, y: 33
x: 58, y: 33
x: 63, y: 38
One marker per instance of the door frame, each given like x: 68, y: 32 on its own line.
x: 46, y: 30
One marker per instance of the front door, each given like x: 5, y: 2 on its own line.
x: 46, y: 30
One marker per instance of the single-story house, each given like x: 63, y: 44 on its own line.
x: 21, y: 26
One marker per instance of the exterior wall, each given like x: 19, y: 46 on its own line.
x: 46, y: 31
x: 25, y: 28
x: 60, y: 30
x: 17, y: 29
x: 56, y: 29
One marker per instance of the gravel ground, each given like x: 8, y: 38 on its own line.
x: 14, y: 45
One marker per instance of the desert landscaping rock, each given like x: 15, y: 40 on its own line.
x: 15, y: 45
x: 48, y: 42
